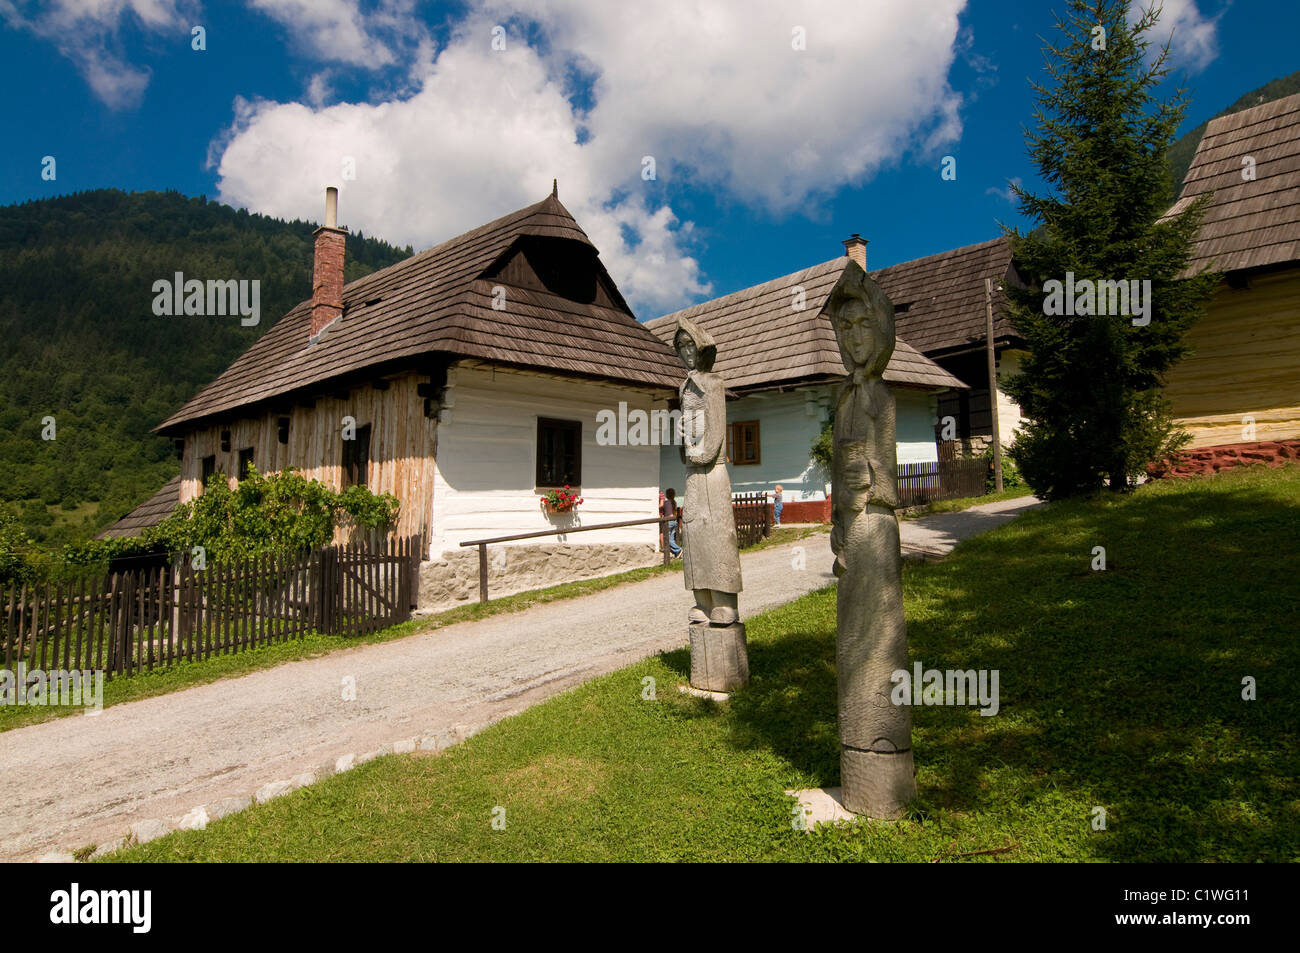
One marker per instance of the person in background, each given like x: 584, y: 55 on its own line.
x: 777, y: 504
x: 669, y: 511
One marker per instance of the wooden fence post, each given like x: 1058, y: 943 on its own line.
x: 11, y: 623
x: 330, y: 584
x: 415, y: 552
x: 482, y: 573
x: 125, y: 608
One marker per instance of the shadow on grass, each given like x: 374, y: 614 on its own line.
x: 679, y: 660
x: 1119, y: 688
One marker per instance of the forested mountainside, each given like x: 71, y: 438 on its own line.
x: 79, y: 340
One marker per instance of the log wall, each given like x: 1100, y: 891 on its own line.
x: 402, y: 443
x: 1246, y: 364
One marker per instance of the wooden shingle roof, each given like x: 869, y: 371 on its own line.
x: 939, y: 300
x: 764, y: 341
x: 437, y: 302
x: 1249, y: 223
x: 149, y: 513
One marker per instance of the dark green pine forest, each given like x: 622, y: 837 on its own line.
x: 79, y: 340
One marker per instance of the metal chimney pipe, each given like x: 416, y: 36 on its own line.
x: 331, y: 207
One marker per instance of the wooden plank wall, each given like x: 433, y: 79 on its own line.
x: 402, y: 444
x: 1246, y: 362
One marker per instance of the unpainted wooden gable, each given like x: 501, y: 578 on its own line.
x: 566, y: 268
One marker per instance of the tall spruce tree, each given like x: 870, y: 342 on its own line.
x: 1091, y: 386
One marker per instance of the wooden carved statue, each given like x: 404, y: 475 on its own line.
x: 710, y: 552
x: 876, y: 766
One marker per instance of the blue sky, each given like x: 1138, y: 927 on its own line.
x: 766, y: 154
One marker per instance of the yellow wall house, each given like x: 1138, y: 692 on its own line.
x: 1241, y: 383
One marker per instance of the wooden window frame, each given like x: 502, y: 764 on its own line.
x: 572, y: 426
x: 355, y: 465
x: 245, y: 462
x: 737, y: 442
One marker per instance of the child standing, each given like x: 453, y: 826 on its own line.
x: 777, y: 504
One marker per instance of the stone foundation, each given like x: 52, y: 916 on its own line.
x: 1274, y: 453
x: 452, y: 579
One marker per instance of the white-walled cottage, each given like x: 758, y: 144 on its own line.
x: 467, y: 380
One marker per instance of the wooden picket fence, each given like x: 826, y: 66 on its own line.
x: 753, y: 517
x: 137, y: 621
x: 920, y: 483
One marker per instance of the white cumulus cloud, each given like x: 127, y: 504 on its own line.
x: 716, y: 93
x: 339, y: 30
x: 1193, y: 38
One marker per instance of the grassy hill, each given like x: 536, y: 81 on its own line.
x: 82, y: 344
x: 1182, y: 151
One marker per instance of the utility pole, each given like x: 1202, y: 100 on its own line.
x: 993, y: 384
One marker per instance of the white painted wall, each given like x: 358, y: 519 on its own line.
x: 1009, y: 416
x: 789, y: 421
x: 788, y: 424
x: 487, y: 458
x: 917, y: 413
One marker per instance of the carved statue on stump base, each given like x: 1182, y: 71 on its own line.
x: 710, y: 552
x: 876, y: 769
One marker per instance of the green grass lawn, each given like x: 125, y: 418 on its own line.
x: 1119, y: 689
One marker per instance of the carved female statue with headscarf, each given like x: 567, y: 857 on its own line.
x: 711, y: 555
x: 871, y: 643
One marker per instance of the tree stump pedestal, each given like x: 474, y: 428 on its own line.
x: 719, y: 658
x: 877, y: 783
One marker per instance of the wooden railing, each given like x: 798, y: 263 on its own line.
x: 750, y: 510
x: 483, y: 544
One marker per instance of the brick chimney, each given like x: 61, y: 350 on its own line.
x: 856, y: 248
x: 327, y: 270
